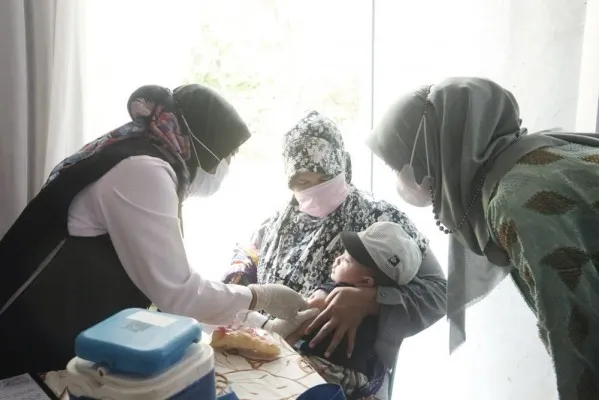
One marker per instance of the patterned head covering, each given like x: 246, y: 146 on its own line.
x: 315, y: 144
x: 158, y: 114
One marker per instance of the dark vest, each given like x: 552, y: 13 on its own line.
x: 59, y: 285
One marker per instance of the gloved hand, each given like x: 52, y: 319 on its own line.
x: 277, y: 300
x: 285, y: 327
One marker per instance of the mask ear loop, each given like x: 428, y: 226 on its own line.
x: 428, y: 163
x: 421, y: 127
x: 199, y: 141
x: 416, y: 140
x: 193, y: 147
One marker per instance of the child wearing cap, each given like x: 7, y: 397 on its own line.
x: 382, y: 255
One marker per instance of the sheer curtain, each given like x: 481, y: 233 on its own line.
x: 41, y: 95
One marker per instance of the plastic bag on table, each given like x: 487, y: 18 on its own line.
x: 248, y: 319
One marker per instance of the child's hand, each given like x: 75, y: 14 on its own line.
x: 317, y: 300
x: 277, y: 300
x: 285, y: 327
x: 299, y: 332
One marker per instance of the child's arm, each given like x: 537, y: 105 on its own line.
x: 285, y: 327
x: 317, y: 299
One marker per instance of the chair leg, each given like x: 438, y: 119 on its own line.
x: 391, y: 379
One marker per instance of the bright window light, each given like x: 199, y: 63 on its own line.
x: 274, y: 61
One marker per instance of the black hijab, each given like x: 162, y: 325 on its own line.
x: 212, y: 120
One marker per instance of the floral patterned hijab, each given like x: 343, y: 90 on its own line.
x: 299, y: 250
x: 315, y: 144
x: 159, y: 114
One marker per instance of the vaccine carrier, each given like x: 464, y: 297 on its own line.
x: 139, y: 354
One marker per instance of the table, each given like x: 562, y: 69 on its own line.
x: 282, y: 379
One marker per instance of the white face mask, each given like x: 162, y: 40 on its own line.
x: 206, y: 184
x: 418, y: 195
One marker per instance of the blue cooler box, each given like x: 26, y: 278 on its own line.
x: 137, y: 341
x: 192, y: 378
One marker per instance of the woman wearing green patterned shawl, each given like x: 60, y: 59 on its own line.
x: 512, y: 203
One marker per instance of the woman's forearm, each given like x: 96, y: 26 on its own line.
x: 416, y: 306
x: 410, y: 309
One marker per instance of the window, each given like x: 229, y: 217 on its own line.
x: 274, y: 60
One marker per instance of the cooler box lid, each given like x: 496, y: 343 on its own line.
x: 137, y: 341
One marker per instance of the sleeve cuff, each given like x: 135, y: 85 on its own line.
x: 243, y: 291
x: 327, y: 287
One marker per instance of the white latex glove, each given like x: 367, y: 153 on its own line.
x: 278, y: 300
x: 285, y: 327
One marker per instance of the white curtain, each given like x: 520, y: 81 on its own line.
x: 588, y: 95
x: 41, y: 93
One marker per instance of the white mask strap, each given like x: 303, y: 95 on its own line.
x: 416, y: 140
x: 199, y: 141
x: 426, y: 103
x: 420, y: 128
x: 428, y: 165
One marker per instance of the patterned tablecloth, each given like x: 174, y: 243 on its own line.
x: 282, y: 379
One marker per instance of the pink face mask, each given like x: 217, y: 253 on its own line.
x: 321, y: 200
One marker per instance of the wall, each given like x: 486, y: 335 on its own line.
x: 533, y: 47
x: 588, y: 96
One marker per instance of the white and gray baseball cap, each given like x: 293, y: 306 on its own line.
x: 386, y: 246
